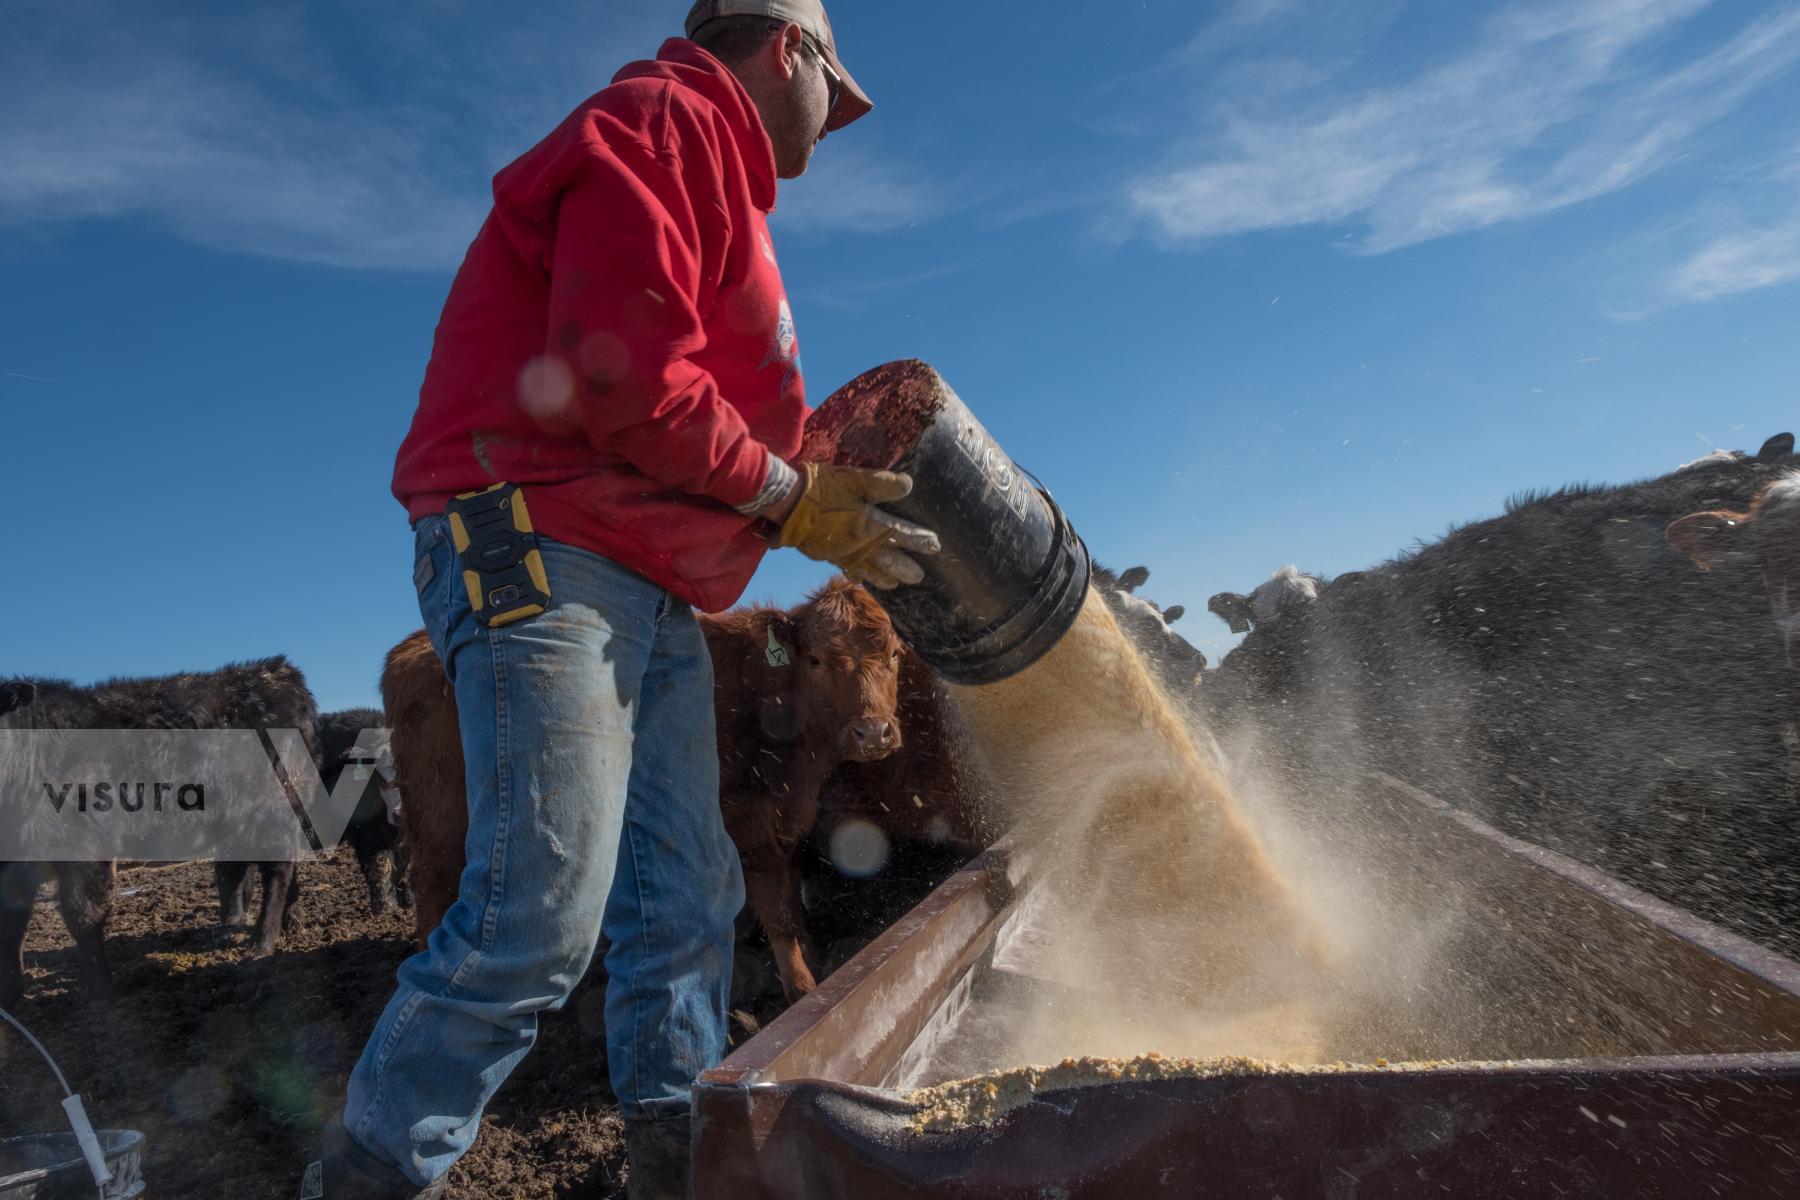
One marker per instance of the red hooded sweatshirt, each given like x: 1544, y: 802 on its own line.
x: 618, y: 341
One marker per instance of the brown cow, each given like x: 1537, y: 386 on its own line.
x: 1768, y: 535
x: 426, y: 743
x: 923, y: 792
x: 796, y: 694
x: 891, y: 831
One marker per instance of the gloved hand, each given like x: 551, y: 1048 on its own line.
x: 835, y: 520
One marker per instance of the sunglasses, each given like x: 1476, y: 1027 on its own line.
x: 834, y: 83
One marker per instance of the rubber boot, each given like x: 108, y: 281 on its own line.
x: 656, y: 1157
x: 345, y: 1171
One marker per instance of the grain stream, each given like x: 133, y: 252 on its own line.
x: 1165, y: 921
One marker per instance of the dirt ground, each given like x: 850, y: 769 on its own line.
x: 228, y: 1065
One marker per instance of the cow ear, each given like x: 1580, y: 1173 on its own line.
x: 1704, y: 537
x: 1134, y: 578
x: 1779, y: 446
x: 776, y: 651
x: 1173, y: 614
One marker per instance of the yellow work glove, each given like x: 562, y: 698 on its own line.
x: 836, y: 521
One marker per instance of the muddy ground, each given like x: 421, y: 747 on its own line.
x: 228, y: 1065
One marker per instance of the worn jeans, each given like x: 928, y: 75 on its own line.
x: 593, y: 783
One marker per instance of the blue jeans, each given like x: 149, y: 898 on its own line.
x: 593, y: 781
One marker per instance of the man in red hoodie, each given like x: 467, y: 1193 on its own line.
x: 617, y: 346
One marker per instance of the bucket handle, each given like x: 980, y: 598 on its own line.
x: 78, y: 1118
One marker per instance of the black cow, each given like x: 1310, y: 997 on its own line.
x: 266, y: 694
x: 1287, y: 589
x: 373, y: 831
x: 1174, y: 662
x: 84, y: 890
x: 16, y: 695
x: 1566, y: 672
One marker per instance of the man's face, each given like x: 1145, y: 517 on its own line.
x: 802, y: 125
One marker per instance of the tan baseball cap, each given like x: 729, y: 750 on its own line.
x: 810, y: 16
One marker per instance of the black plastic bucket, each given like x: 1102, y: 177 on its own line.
x: 1012, y: 575
x: 49, y: 1166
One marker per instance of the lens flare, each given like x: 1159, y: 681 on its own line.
x: 546, y: 387
x: 858, y: 849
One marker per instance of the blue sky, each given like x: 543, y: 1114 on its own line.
x: 1246, y: 283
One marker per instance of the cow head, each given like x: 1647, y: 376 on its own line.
x: 1768, y: 535
x: 844, y: 660
x: 1231, y: 608
x: 1287, y: 589
x: 16, y: 695
x: 1175, y: 659
x: 1147, y: 625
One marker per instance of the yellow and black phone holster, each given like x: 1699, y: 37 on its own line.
x: 501, y: 564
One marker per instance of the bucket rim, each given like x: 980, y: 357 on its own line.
x: 1052, y: 603
x: 123, y: 1142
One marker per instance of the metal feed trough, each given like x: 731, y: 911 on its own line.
x: 1699, y: 1094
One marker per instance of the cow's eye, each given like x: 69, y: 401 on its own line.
x: 814, y: 660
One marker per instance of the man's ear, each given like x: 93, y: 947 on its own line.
x: 788, y: 47
x: 775, y: 667
x: 1705, y: 537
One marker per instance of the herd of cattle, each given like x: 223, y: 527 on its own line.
x: 1605, y: 669
x: 843, y: 729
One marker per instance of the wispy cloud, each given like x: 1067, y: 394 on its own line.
x: 334, y: 133
x: 858, y: 293
x: 1750, y: 242
x: 1742, y: 261
x: 853, y: 188
x: 1236, y: 21
x: 1553, y: 104
x: 1738, y: 234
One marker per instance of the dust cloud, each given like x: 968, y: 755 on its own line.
x: 1159, y: 919
x: 1181, y: 908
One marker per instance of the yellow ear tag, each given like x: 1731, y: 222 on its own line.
x: 777, y: 653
